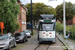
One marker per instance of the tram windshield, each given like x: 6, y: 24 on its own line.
x: 47, y: 26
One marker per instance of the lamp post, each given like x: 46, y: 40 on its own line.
x: 31, y: 20
x: 64, y: 22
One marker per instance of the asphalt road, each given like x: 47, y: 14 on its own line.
x: 33, y: 44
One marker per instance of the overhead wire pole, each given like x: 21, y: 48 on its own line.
x: 64, y: 22
x: 64, y: 19
x: 31, y: 20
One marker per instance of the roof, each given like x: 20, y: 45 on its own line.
x: 24, y: 7
x: 47, y: 16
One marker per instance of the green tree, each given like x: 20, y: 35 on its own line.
x: 8, y: 14
x: 69, y: 10
x: 74, y: 7
x: 38, y: 8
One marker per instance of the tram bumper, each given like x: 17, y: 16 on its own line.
x: 47, y: 39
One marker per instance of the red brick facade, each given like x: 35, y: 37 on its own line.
x: 22, y: 17
x: 58, y: 21
x: 71, y: 22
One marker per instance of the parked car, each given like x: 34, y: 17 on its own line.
x: 20, y: 37
x: 7, y: 41
x: 28, y: 33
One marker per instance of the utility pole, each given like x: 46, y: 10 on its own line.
x: 64, y: 22
x: 31, y: 20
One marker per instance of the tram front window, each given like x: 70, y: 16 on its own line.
x: 47, y: 27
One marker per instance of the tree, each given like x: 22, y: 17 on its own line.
x: 68, y: 10
x: 38, y: 8
x: 8, y: 14
x: 74, y: 7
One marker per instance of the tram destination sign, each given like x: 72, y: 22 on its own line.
x: 47, y: 20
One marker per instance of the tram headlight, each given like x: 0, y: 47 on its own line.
x: 43, y: 32
x: 43, y: 35
x: 50, y: 36
x: 50, y: 33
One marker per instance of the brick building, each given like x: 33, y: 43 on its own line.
x: 22, y: 17
x: 58, y: 21
x: 71, y: 21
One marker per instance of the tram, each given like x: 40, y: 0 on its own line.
x: 47, y: 28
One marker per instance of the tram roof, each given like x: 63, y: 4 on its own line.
x: 47, y: 16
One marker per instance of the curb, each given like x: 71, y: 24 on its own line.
x: 63, y: 43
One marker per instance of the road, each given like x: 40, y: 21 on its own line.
x: 32, y: 44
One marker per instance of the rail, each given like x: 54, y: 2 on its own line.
x: 67, y: 48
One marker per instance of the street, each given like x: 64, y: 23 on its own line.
x: 33, y: 44
x: 20, y: 19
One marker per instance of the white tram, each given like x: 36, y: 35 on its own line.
x: 47, y: 28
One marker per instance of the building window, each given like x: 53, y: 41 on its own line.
x: 23, y: 12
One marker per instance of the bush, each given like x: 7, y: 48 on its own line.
x: 59, y: 27
x: 72, y: 34
x: 69, y: 29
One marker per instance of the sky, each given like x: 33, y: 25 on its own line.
x: 47, y: 2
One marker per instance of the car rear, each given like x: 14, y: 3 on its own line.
x: 19, y: 37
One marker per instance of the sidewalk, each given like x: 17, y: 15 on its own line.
x: 70, y: 43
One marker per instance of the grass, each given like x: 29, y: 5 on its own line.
x: 18, y: 47
x: 33, y: 32
x: 74, y: 41
x: 64, y: 47
x: 67, y: 46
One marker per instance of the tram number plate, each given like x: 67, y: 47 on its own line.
x: 46, y: 34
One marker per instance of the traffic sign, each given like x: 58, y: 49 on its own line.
x: 2, y: 26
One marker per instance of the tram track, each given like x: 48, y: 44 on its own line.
x: 48, y: 47
x: 37, y: 46
x: 67, y: 48
x: 41, y: 45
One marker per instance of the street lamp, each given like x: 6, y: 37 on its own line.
x: 64, y: 22
x: 31, y: 19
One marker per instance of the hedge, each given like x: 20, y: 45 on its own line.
x: 69, y: 29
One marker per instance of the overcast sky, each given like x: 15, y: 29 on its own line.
x: 47, y: 2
